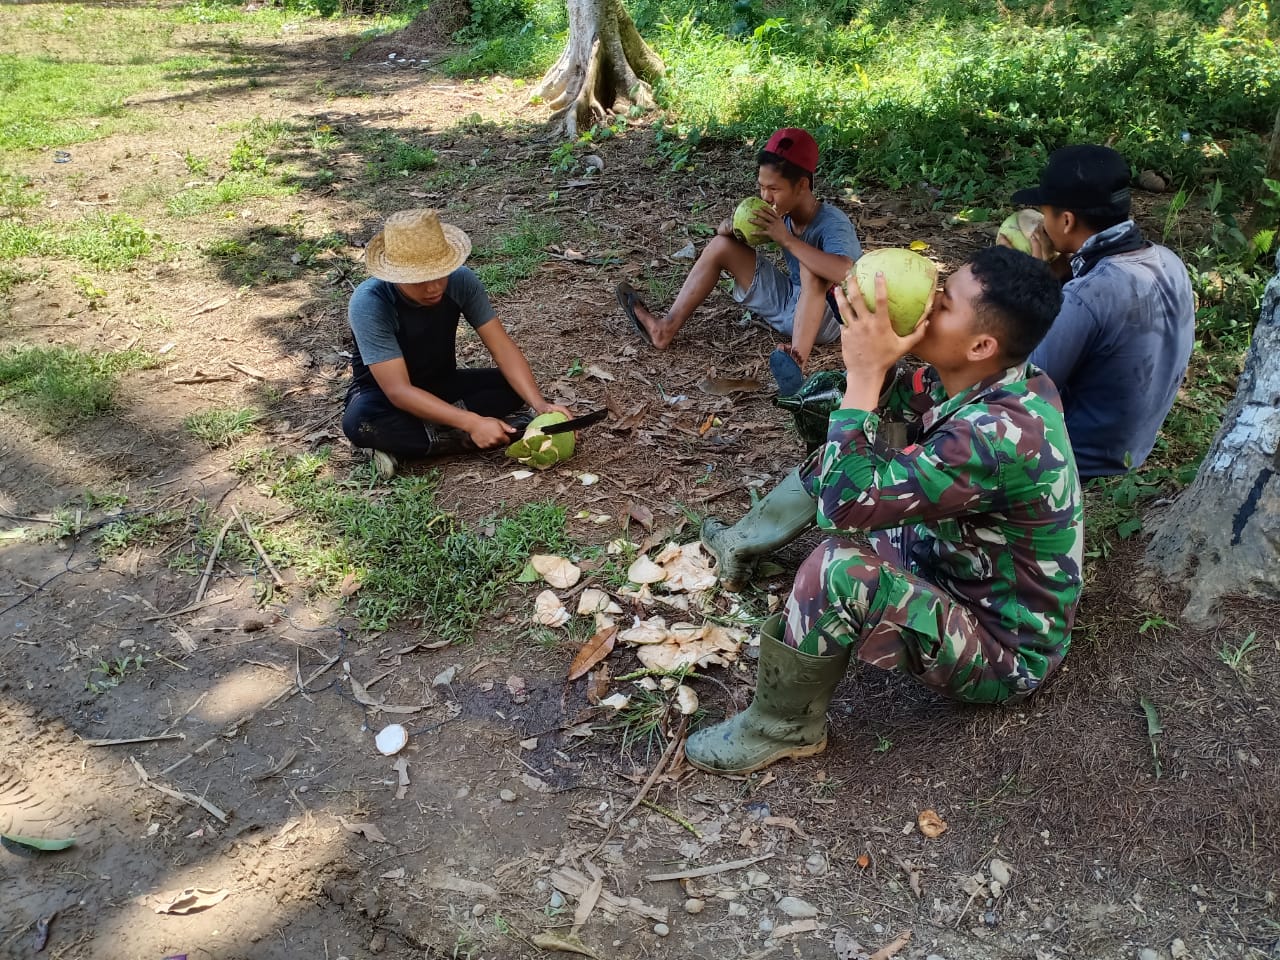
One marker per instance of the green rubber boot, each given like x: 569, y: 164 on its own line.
x: 787, y: 716
x: 780, y: 516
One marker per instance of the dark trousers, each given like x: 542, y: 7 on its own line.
x: 371, y: 420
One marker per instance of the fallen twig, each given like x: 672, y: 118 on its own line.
x: 672, y: 816
x: 707, y: 871
x: 213, y: 559
x: 124, y: 740
x: 189, y: 608
x: 658, y: 767
x: 262, y: 554
x: 177, y: 794
x: 280, y: 767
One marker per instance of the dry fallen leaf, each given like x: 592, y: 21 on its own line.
x: 549, y: 611
x: 930, y: 824
x: 724, y: 386
x: 863, y: 861
x: 892, y: 949
x: 518, y: 689
x: 350, y: 584
x: 641, y: 515
x: 598, y: 684
x: 557, y: 571
x: 592, y: 652
x: 191, y: 900
x: 368, y: 830
x: 550, y: 940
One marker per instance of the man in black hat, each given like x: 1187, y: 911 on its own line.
x: 1118, y: 349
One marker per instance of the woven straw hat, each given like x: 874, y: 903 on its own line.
x: 414, y: 247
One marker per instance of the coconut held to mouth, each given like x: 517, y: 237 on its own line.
x: 542, y: 450
x: 1018, y: 228
x: 910, y: 282
x: 743, y: 226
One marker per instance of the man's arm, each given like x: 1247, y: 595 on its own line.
x: 512, y: 364
x: 830, y: 267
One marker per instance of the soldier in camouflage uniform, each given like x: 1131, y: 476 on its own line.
x: 973, y: 571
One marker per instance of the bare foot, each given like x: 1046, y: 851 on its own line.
x: 659, y: 334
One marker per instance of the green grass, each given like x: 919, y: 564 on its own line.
x: 502, y: 264
x: 63, y: 386
x: 231, y: 189
x: 390, y: 155
x: 105, y: 241
x: 221, y: 427
x: 411, y: 558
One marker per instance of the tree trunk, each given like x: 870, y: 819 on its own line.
x: 1221, y: 537
x: 605, y: 68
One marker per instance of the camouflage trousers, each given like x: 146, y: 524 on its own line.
x: 846, y: 594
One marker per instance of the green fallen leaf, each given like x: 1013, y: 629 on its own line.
x: 34, y: 843
x: 528, y: 574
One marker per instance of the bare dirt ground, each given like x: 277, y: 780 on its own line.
x: 269, y: 787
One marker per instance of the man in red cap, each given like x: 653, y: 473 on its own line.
x: 819, y: 245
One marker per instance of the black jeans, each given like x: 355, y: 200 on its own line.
x: 371, y: 420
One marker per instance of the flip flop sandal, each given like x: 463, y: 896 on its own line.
x: 627, y: 299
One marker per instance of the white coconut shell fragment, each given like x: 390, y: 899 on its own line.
x: 643, y: 570
x: 549, y: 611
x: 557, y: 571
x: 391, y: 739
x: 686, y: 699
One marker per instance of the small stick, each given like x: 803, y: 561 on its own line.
x: 215, y: 379
x: 189, y: 608
x: 213, y: 559
x: 672, y: 816
x: 280, y: 767
x: 667, y: 754
x: 123, y: 740
x: 177, y: 794
x: 248, y: 532
x: 708, y: 871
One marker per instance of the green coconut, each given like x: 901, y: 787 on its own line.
x: 1019, y: 227
x: 743, y: 226
x: 911, y: 281
x: 542, y: 450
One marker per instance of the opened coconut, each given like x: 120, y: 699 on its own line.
x: 744, y: 228
x: 542, y: 450
x: 910, y: 280
x: 1019, y: 227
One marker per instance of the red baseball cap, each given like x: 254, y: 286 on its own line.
x: 797, y: 146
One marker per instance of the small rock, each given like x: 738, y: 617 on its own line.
x: 765, y: 925
x: 1001, y: 872
x: 1178, y: 949
x: 445, y: 677
x: 478, y: 910
x: 1146, y: 953
x: 694, y: 905
x: 997, y: 888
x: 737, y: 909
x: 816, y: 865
x: 557, y: 899
x: 661, y: 929
x: 507, y: 796
x: 687, y: 252
x: 378, y: 943
x: 757, y: 878
x: 935, y: 956
x: 1150, y: 180
x: 797, y: 909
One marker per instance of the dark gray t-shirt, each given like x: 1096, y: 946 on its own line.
x: 387, y: 325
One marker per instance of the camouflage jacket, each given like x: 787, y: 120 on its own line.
x: 985, y: 500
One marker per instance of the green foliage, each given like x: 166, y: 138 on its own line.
x: 61, y: 385
x: 16, y: 192
x: 106, y: 241
x: 232, y: 189
x: 501, y: 265
x: 111, y: 673
x: 221, y: 427
x: 411, y: 558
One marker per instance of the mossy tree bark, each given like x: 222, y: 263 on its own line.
x: 605, y: 68
x: 1221, y: 537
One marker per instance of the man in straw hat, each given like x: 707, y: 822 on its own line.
x: 408, y: 399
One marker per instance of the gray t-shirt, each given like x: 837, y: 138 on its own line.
x: 830, y: 231
x: 387, y: 325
